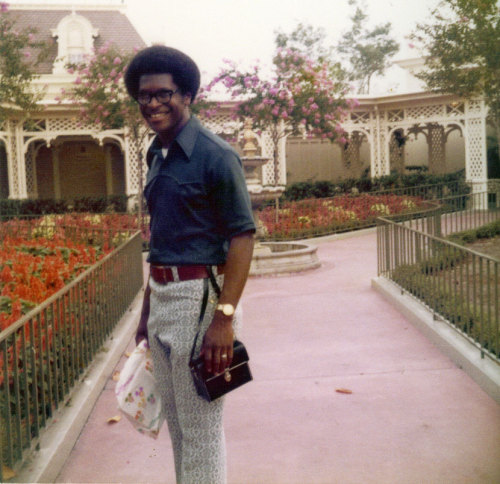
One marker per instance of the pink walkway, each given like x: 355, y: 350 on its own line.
x: 412, y: 416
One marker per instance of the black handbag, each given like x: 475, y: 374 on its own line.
x: 211, y: 386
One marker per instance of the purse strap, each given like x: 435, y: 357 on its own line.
x: 204, y: 303
x: 211, y: 275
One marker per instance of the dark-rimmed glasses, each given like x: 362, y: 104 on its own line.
x: 163, y: 96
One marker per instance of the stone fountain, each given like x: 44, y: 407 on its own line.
x: 270, y: 257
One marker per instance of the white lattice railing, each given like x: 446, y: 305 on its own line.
x: 376, y: 121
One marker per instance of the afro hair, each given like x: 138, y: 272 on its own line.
x: 160, y: 59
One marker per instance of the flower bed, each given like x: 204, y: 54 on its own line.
x: 36, y: 259
x: 72, y: 284
x: 312, y: 217
x: 117, y: 222
x: 31, y: 270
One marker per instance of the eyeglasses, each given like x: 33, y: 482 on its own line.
x: 163, y: 96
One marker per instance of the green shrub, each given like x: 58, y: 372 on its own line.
x: 489, y: 231
x: 325, y: 189
x: 419, y: 279
x: 469, y: 236
x: 440, y: 301
x: 445, y: 260
x: 14, y: 208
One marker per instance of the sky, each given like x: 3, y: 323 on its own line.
x: 244, y: 30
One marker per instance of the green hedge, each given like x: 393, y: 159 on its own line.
x: 487, y: 231
x: 417, y: 279
x: 325, y: 189
x: 13, y: 208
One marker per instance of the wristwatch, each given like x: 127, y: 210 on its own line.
x: 227, y: 309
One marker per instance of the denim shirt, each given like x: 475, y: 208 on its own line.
x: 197, y: 198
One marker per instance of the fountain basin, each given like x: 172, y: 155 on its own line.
x: 283, y: 258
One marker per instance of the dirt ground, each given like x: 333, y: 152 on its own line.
x: 489, y: 247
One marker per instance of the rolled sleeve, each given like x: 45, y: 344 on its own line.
x: 231, y: 198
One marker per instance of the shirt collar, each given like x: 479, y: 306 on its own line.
x: 186, y: 139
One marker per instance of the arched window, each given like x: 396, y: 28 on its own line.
x: 76, y: 42
x: 75, y: 38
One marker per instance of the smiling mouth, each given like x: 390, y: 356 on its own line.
x: 156, y: 116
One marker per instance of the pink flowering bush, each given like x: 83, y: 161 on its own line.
x: 303, y: 96
x: 99, y: 92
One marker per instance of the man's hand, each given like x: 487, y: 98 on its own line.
x: 217, y: 345
x: 218, y: 342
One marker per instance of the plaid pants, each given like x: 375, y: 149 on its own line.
x: 195, y: 425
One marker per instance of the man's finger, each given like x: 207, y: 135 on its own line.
x: 224, y: 360
x: 207, y: 352
x: 230, y: 355
x: 216, y: 359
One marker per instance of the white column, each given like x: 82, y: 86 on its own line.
x: 18, y: 178
x: 476, y: 169
x: 11, y: 161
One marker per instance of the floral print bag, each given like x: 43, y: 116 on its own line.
x: 136, y: 392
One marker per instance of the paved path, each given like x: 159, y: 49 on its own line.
x: 412, y: 416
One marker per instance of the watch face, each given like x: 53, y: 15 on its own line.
x: 228, y: 309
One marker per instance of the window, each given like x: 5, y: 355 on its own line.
x: 75, y: 37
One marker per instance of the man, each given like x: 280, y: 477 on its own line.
x: 200, y: 216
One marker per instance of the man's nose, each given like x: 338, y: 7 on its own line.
x: 154, y: 102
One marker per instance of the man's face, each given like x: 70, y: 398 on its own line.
x: 164, y: 118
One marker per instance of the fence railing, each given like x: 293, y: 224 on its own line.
x: 451, y: 214
x: 430, y: 191
x: 291, y: 220
x: 43, y: 354
x: 459, y: 285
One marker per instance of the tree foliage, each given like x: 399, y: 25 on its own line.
x: 309, y: 42
x: 367, y: 52
x: 302, y: 95
x: 306, y: 39
x: 104, y: 104
x: 462, y: 44
x: 20, y: 53
x: 99, y: 92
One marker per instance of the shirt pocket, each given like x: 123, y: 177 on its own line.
x: 191, y: 196
x: 177, y: 197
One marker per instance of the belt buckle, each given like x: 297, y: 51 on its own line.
x: 175, y: 273
x: 169, y: 273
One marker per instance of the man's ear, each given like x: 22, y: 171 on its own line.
x: 187, y: 99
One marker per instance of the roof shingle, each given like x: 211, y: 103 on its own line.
x: 113, y: 26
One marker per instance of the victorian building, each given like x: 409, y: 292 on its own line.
x: 54, y: 156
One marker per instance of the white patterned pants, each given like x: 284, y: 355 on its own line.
x: 195, y: 425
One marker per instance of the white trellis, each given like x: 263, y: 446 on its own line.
x: 435, y: 118
x: 23, y: 140
x: 376, y: 121
x: 273, y: 172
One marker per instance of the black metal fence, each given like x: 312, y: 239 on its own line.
x: 44, y: 354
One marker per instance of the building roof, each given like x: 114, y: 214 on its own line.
x: 113, y: 26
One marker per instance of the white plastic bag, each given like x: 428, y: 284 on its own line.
x: 136, y: 392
